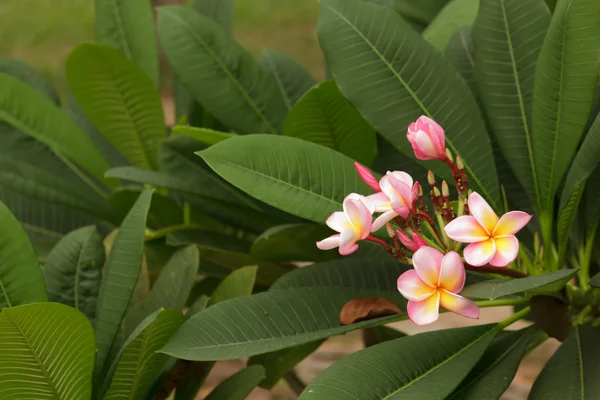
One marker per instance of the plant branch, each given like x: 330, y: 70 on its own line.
x: 513, y: 273
x: 514, y: 318
x: 433, y: 227
x: 502, y: 302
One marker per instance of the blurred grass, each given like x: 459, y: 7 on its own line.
x: 43, y: 32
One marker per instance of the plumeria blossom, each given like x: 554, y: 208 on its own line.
x: 492, y: 239
x: 367, y: 177
x: 413, y: 244
x: 427, y: 139
x: 435, y: 281
x: 395, y: 198
x: 353, y: 224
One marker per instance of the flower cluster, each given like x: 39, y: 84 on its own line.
x: 438, y: 273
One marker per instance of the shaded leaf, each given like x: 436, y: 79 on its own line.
x: 380, y: 334
x: 237, y: 284
x: 220, y: 11
x: 203, y: 135
x: 552, y: 316
x: 455, y: 14
x: 365, y: 309
x: 207, y: 239
x: 239, y: 385
x: 30, y: 76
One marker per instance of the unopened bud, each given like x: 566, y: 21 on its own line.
x: 449, y: 154
x: 459, y: 163
x: 436, y: 192
x: 445, y: 189
x: 430, y: 178
x: 390, y: 231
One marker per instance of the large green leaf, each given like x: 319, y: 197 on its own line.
x: 270, y: 321
x: 455, y: 14
x: 546, y: 283
x: 29, y: 75
x: 507, y: 38
x: 492, y: 375
x: 421, y: 12
x: 46, y: 352
x: 32, y: 113
x: 73, y: 270
x: 572, y: 372
x: 565, y: 84
x: 239, y: 385
x: 459, y: 51
x: 237, y: 284
x: 299, y: 177
x: 393, y: 76
x: 427, y: 366
x: 292, y: 80
x: 219, y: 73
x: 220, y: 11
x: 21, y: 280
x: 324, y: 116
x: 139, y: 363
x: 121, y: 275
x: 128, y: 25
x: 119, y: 99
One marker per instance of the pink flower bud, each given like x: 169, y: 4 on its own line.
x: 367, y: 177
x: 413, y: 245
x: 427, y: 139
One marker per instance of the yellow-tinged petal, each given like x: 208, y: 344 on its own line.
x: 507, y: 249
x: 425, y: 311
x: 412, y: 287
x: 482, y: 212
x: 452, y: 273
x: 427, y: 261
x: 466, y: 229
x: 458, y: 304
x: 480, y: 253
x: 511, y: 223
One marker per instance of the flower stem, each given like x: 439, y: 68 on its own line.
x: 513, y: 273
x: 514, y: 318
x: 502, y: 302
x: 433, y: 227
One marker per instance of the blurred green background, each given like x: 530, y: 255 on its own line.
x: 43, y: 32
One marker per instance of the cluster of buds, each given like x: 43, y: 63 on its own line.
x: 439, y: 271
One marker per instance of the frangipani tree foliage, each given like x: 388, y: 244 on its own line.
x: 453, y: 149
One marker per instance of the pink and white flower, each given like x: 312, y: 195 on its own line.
x: 435, y: 281
x: 427, y: 139
x: 367, y: 177
x: 353, y: 224
x: 413, y: 244
x: 492, y: 239
x: 395, y: 198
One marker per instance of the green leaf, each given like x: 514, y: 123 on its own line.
x: 444, y: 359
x: 423, y: 12
x: 324, y: 116
x: 46, y: 352
x: 32, y: 113
x: 566, y: 217
x: 73, y: 270
x: 455, y: 14
x: 129, y: 27
x: 119, y: 99
x: 173, y: 286
x: 269, y: 321
x: 302, y: 178
x: 121, y: 274
x: 494, y: 372
x: 30, y: 76
x: 572, y: 371
x: 459, y: 51
x: 278, y: 363
x: 507, y: 38
x: 595, y: 281
x: 292, y: 80
x: 292, y: 242
x: 565, y: 84
x: 546, y: 283
x: 219, y: 73
x: 239, y: 385
x: 139, y: 363
x: 380, y: 334
x: 203, y: 135
x: 237, y: 284
x: 21, y: 280
x: 205, y: 238
x: 220, y: 11
x: 393, y: 76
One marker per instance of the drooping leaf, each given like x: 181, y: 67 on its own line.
x: 21, y: 280
x: 219, y: 73
x: 507, y: 38
x: 269, y: 321
x: 203, y: 135
x: 32, y: 113
x: 237, y: 284
x: 444, y: 359
x: 46, y: 352
x: 546, y: 283
x: 576, y: 358
x: 30, y: 76
x: 565, y: 84
x: 139, y: 363
x: 324, y: 116
x: 393, y: 76
x: 239, y: 385
x: 121, y: 274
x: 278, y: 363
x: 492, y: 375
x: 128, y: 25
x: 119, y: 99
x: 73, y: 270
x: 292, y: 80
x: 455, y: 14
x: 302, y: 178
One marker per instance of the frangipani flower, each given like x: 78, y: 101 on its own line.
x: 427, y: 139
x: 492, y: 239
x: 395, y: 198
x: 367, y: 177
x: 353, y: 224
x: 435, y: 281
x: 413, y: 244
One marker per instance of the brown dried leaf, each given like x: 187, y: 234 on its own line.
x: 367, y: 308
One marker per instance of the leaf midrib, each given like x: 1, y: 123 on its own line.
x: 121, y: 30
x: 232, y: 78
x: 414, y: 97
x: 278, y: 80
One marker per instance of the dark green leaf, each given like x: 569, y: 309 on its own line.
x: 203, y: 135
x: 29, y: 75
x: 239, y: 385
x: 207, y: 239
x: 220, y: 11
x: 459, y: 51
x: 380, y: 334
x: 237, y: 284
x: 422, y: 12
x: 73, y: 270
x: 455, y: 14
